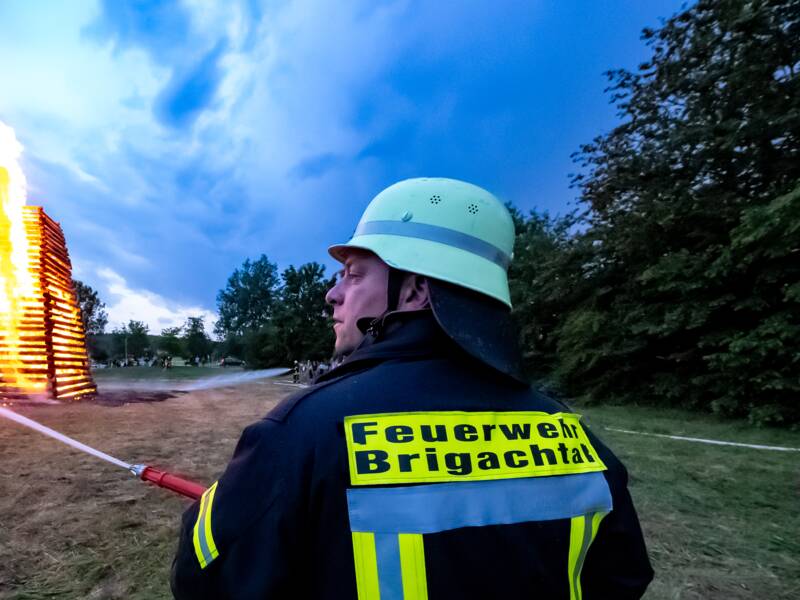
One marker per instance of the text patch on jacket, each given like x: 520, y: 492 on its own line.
x: 428, y: 447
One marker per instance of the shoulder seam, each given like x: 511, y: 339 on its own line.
x: 282, y: 410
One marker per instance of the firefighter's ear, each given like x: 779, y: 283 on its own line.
x: 414, y: 293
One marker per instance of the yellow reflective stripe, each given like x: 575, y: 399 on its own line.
x: 576, y: 531
x: 196, y: 534
x: 209, y: 537
x: 366, y: 562
x: 596, y: 518
x: 204, y: 546
x: 582, y: 532
x: 412, y: 565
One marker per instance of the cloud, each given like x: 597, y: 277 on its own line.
x: 172, y: 140
x: 124, y: 303
x: 315, y: 166
x: 161, y: 27
x: 189, y: 93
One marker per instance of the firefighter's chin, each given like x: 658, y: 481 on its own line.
x: 347, y: 339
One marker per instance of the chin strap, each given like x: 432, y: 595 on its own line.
x: 396, y: 278
x: 395, y: 282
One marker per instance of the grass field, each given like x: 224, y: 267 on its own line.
x: 720, y: 522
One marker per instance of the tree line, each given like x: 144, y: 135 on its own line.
x: 265, y: 319
x: 677, y: 281
x: 133, y: 340
x: 270, y: 319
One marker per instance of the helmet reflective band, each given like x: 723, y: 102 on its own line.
x: 442, y: 228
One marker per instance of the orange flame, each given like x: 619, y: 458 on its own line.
x: 42, y: 346
x: 17, y: 284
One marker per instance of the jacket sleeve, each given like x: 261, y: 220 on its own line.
x: 617, y: 565
x: 240, y: 542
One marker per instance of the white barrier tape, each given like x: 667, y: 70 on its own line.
x: 704, y: 441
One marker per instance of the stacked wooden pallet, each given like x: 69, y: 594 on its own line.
x: 50, y: 355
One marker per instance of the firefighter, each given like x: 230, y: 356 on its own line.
x: 423, y: 466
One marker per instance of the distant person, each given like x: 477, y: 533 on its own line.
x: 424, y: 465
x: 296, y: 373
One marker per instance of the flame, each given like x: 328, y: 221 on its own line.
x: 17, y: 283
x: 42, y: 345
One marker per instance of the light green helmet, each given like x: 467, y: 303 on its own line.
x: 441, y: 228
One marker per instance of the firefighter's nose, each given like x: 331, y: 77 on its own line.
x: 334, y: 295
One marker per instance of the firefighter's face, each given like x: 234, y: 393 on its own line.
x: 360, y: 292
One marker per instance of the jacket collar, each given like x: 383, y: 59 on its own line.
x: 400, y: 334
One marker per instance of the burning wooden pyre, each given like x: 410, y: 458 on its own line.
x: 42, y: 341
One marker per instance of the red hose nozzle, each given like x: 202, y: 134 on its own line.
x: 169, y: 481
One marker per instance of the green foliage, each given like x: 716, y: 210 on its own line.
x: 94, y: 318
x: 196, y: 340
x: 134, y: 337
x: 544, y: 278
x: 93, y: 312
x: 302, y: 316
x: 247, y: 301
x: 262, y: 348
x: 170, y: 342
x: 293, y: 325
x: 757, y: 365
x: 680, y: 283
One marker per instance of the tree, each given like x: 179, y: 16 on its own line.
x: 762, y: 361
x: 93, y: 312
x: 134, y: 336
x: 170, y: 341
x: 138, y: 342
x: 247, y: 301
x: 300, y: 327
x: 545, y: 279
x: 196, y: 340
x: 302, y: 316
x: 262, y: 348
x: 94, y: 318
x: 706, y: 156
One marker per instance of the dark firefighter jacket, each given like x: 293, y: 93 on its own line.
x: 447, y: 501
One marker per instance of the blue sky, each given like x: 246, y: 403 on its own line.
x: 172, y: 140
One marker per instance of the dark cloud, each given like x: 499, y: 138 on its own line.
x: 155, y: 25
x: 325, y: 109
x: 190, y: 90
x: 315, y: 166
x: 499, y: 95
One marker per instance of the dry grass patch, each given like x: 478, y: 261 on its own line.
x: 721, y: 523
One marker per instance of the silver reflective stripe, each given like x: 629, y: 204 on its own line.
x: 434, y: 233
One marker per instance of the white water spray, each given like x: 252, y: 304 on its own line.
x: 232, y: 379
x: 191, y: 385
x: 219, y: 381
x: 10, y: 414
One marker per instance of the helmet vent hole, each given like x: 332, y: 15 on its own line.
x: 472, y: 209
x: 436, y: 199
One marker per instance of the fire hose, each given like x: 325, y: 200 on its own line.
x: 162, y: 479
